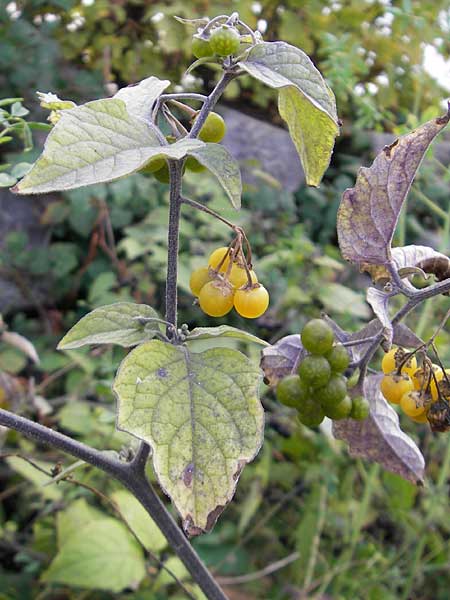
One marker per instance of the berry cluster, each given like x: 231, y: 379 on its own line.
x: 223, y: 40
x: 415, y: 389
x: 320, y: 389
x: 227, y: 281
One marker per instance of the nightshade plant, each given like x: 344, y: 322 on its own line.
x: 199, y: 413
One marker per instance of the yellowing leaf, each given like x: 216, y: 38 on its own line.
x: 305, y: 102
x: 201, y: 414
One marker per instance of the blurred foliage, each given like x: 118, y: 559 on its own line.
x: 359, y: 532
x: 371, y: 52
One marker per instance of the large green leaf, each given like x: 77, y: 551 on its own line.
x: 139, y: 99
x: 219, y: 161
x: 201, y: 415
x: 305, y: 102
x: 94, y: 143
x: 113, y: 324
x: 95, y: 552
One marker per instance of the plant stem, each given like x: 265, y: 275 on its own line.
x: 208, y: 211
x: 175, y: 169
x: 210, y: 102
x: 131, y: 475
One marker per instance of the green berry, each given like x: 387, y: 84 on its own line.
x: 360, y: 408
x: 162, y: 174
x: 313, y: 419
x: 289, y: 391
x: 225, y: 40
x: 333, y: 392
x: 317, y: 337
x: 213, y: 129
x: 201, y: 47
x: 193, y: 165
x: 154, y: 164
x: 341, y: 410
x: 339, y: 358
x: 315, y: 370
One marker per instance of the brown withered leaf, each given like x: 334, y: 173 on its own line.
x: 369, y: 212
x: 379, y: 437
x: 280, y: 359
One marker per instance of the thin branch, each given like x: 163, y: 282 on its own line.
x: 208, y: 211
x: 275, y: 566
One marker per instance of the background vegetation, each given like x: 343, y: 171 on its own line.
x: 351, y: 530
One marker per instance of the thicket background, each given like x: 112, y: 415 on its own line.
x: 359, y: 532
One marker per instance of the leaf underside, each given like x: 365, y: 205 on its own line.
x: 369, y: 212
x: 379, y: 437
x: 305, y: 102
x: 201, y: 415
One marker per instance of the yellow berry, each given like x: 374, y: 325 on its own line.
x: 238, y: 276
x: 199, y: 278
x: 216, y: 298
x: 394, y: 357
x: 216, y: 257
x: 439, y: 373
x: 412, y: 404
x: 420, y: 418
x: 251, y: 302
x: 393, y: 387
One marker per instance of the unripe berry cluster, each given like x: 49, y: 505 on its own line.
x: 228, y: 281
x: 319, y: 389
x: 415, y: 389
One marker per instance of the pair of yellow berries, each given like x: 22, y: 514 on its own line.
x: 409, y: 389
x: 219, y: 286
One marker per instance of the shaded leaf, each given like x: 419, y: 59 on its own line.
x: 113, y: 324
x: 282, y: 358
x: 100, y: 548
x: 379, y: 301
x: 379, y: 437
x: 206, y: 333
x: 369, y: 212
x: 305, y: 101
x: 140, y: 522
x: 34, y: 476
x: 201, y: 414
x: 6, y: 180
x: 219, y: 161
x: 139, y: 98
x: 197, y: 23
x: 94, y: 143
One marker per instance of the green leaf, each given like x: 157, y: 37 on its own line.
x: 202, y: 416
x: 305, y: 102
x: 6, y: 101
x: 113, y: 324
x: 207, y: 333
x: 94, y: 143
x: 140, y: 522
x: 20, y: 169
x: 17, y: 110
x: 219, y: 161
x: 99, y: 548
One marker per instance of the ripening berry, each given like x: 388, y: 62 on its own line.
x: 394, y: 386
x: 216, y: 298
x: 193, y: 165
x: 339, y: 358
x: 163, y: 174
x: 317, y: 337
x: 392, y: 359
x: 199, y: 278
x: 252, y: 302
x: 313, y: 419
x: 290, y: 391
x: 154, y: 164
x: 315, y: 370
